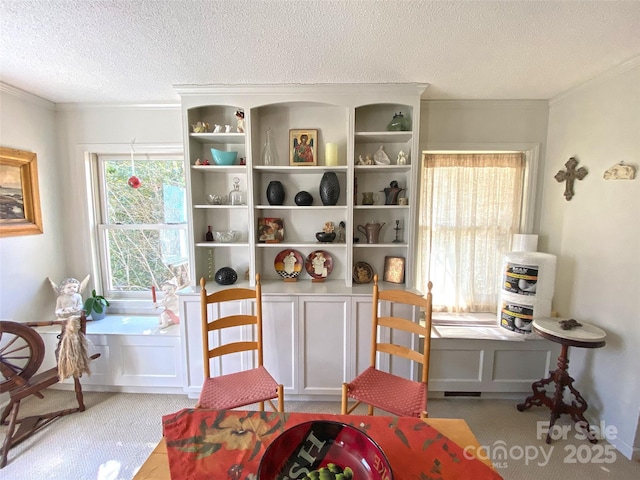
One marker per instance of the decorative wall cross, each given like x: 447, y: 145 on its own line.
x: 570, y: 175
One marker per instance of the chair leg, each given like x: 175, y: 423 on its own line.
x: 370, y: 412
x: 345, y: 399
x: 280, y: 398
x: 6, y: 446
x: 261, y: 407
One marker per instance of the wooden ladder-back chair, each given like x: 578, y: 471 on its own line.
x: 21, y: 354
x: 387, y: 391
x: 246, y: 387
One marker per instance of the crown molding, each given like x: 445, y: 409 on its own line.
x: 311, y: 88
x: 607, y: 75
x: 116, y: 106
x: 484, y: 104
x: 24, y: 95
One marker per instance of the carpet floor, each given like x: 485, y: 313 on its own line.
x: 123, y: 429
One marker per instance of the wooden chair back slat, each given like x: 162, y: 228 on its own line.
x: 234, y: 347
x: 230, y: 321
x: 422, y: 329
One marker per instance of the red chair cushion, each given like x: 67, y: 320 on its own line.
x: 388, y: 392
x: 238, y: 389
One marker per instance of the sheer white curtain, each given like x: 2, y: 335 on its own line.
x: 470, y: 208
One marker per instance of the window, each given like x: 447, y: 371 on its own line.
x: 142, y: 232
x: 471, y: 204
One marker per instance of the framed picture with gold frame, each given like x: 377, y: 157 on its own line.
x: 20, y: 212
x: 394, y: 269
x: 303, y: 147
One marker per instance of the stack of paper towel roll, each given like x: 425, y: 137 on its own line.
x: 527, y: 289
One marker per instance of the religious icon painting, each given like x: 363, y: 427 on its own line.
x: 303, y: 147
x: 394, y: 269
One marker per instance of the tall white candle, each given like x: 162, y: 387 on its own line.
x: 331, y: 154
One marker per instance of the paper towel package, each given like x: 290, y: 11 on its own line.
x: 529, y: 273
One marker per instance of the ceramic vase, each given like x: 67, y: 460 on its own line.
x: 303, y: 199
x: 329, y: 189
x: 226, y: 276
x: 275, y: 193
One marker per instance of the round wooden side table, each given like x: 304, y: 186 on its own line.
x: 578, y: 334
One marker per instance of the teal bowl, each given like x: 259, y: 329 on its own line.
x: 220, y: 157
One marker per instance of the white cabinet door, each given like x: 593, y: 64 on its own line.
x: 191, y: 337
x: 279, y: 332
x: 192, y: 341
x: 361, y: 334
x: 361, y: 325
x: 325, y: 343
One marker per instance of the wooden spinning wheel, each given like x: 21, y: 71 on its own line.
x: 21, y: 354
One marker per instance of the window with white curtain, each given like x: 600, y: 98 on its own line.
x: 470, y: 207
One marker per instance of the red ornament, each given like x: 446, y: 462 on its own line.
x: 134, y: 182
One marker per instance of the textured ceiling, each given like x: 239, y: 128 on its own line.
x: 135, y: 51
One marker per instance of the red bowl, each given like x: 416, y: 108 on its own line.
x: 315, y: 445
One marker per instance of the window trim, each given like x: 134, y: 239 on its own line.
x: 94, y: 206
x: 532, y: 164
x: 528, y: 206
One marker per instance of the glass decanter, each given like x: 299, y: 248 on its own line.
x: 269, y: 153
x: 236, y: 196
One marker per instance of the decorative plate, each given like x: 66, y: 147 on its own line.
x: 362, y: 272
x: 346, y: 453
x: 319, y: 264
x: 288, y: 263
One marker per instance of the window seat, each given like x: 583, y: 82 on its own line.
x: 123, y: 325
x: 474, y: 326
x: 136, y: 355
x: 480, y: 332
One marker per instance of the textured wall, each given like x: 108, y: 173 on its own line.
x: 596, y: 237
x: 28, y: 123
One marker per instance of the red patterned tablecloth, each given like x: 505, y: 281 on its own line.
x: 228, y: 444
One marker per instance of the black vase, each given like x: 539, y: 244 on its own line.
x: 275, y: 193
x: 303, y: 199
x: 226, y: 276
x: 329, y: 189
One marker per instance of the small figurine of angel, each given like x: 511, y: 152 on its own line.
x: 240, y: 117
x: 69, y: 301
x: 169, y: 316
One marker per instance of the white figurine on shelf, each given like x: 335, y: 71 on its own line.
x: 240, y: 117
x: 227, y: 129
x: 402, y: 158
x: 69, y: 301
x: 217, y: 128
x: 169, y: 316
